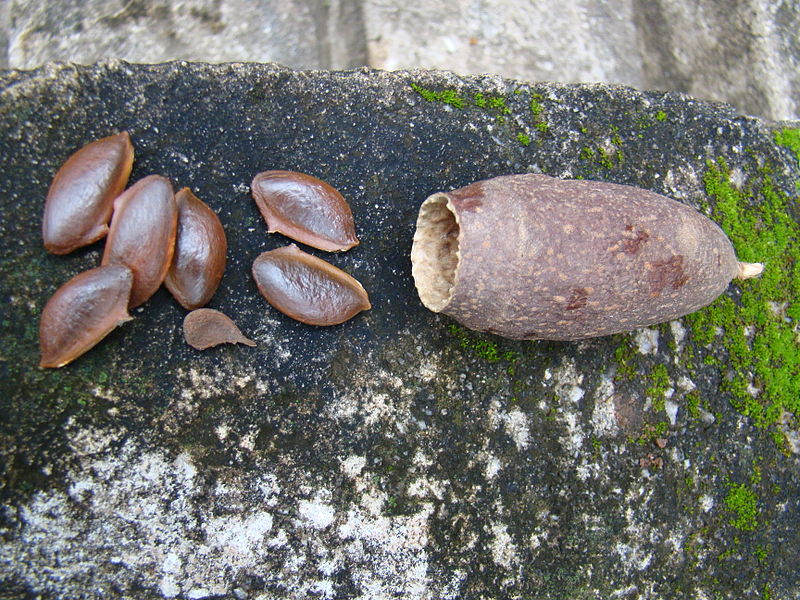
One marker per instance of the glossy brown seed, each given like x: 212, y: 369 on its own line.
x: 82, y: 312
x: 305, y: 209
x: 307, y: 288
x: 206, y: 327
x: 200, y: 247
x: 142, y: 234
x: 81, y: 196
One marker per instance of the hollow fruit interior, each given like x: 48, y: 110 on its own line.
x: 435, y: 253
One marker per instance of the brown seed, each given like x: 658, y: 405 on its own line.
x: 307, y: 288
x: 82, y: 312
x: 200, y: 247
x: 533, y: 257
x: 305, y: 209
x: 142, y: 234
x: 206, y: 327
x: 81, y: 196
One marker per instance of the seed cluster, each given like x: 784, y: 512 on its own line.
x: 302, y: 286
x: 156, y: 236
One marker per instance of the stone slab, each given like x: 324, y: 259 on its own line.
x: 397, y: 455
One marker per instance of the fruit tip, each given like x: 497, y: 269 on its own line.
x: 749, y: 270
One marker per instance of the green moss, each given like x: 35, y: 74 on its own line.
x: 450, y: 97
x: 537, y: 112
x: 522, y: 129
x: 758, y: 335
x: 659, y: 384
x: 789, y: 138
x: 498, y: 103
x: 600, y: 156
x: 652, y: 433
x: 779, y: 439
x: 742, y: 503
x: 761, y: 553
x: 624, y: 355
x: 535, y: 105
x: 493, y: 104
x: 646, y: 120
x: 693, y: 404
x: 485, y: 349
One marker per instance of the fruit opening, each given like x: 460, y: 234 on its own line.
x: 435, y: 252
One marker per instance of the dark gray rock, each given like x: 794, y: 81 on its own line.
x: 395, y: 456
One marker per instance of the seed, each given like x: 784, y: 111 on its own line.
x: 200, y: 247
x: 142, y: 234
x: 308, y: 288
x: 304, y: 208
x: 82, y: 312
x: 533, y: 257
x: 206, y: 327
x: 81, y: 196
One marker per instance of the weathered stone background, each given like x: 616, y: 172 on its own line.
x: 397, y: 455
x: 746, y: 52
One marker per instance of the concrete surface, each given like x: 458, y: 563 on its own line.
x: 745, y: 53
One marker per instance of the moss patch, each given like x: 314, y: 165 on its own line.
x: 742, y: 503
x: 603, y: 156
x: 659, y: 384
x: 526, y: 126
x: 450, y: 97
x: 789, y: 138
x: 485, y: 349
x: 625, y: 356
x: 537, y: 112
x: 763, y: 352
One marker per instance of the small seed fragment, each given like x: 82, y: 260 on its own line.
x: 305, y: 209
x: 81, y: 196
x: 200, y: 247
x: 142, y: 234
x: 308, y: 288
x: 82, y: 312
x: 206, y: 327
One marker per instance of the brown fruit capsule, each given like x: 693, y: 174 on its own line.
x: 206, y: 327
x: 142, y: 234
x: 82, y: 312
x: 532, y: 257
x: 200, y: 247
x: 81, y: 196
x: 307, y: 288
x: 305, y: 209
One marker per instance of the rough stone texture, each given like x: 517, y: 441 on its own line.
x: 544, y: 40
x: 297, y: 33
x: 4, y: 26
x: 746, y: 53
x: 395, y: 456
